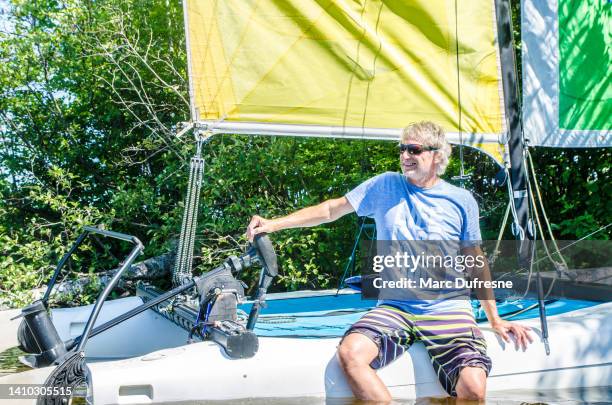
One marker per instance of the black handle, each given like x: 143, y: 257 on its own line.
x: 266, y: 253
x: 267, y: 257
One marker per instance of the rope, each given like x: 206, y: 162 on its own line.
x: 558, y: 266
x: 534, y: 262
x: 517, y: 229
x: 565, y: 247
x: 547, y: 222
x: 518, y: 312
x: 70, y: 374
x: 274, y: 319
x: 529, y: 308
x: 555, y: 263
x: 500, y: 234
x: 184, y: 257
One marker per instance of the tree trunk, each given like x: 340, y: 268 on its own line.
x: 154, y: 268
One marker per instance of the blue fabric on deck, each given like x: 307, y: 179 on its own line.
x: 330, y: 316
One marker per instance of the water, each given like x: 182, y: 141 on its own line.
x: 9, y: 361
x: 591, y: 396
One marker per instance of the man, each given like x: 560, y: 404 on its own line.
x: 417, y: 205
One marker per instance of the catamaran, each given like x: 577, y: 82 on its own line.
x: 354, y: 70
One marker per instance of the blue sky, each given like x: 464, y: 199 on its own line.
x: 4, y: 25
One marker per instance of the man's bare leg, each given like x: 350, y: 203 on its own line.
x: 355, y: 355
x: 472, y: 384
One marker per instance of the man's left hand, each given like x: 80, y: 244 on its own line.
x: 520, y: 332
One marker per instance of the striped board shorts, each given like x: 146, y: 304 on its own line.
x: 452, y: 339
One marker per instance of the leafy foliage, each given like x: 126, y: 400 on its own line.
x: 91, y: 96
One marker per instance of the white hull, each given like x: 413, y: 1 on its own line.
x: 580, y: 357
x: 288, y: 367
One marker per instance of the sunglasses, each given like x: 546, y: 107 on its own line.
x: 414, y: 149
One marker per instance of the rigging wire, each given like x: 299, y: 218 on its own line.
x: 462, y: 177
x: 529, y: 275
x: 353, y: 71
x: 603, y: 228
x: 541, y: 299
x: 352, y: 256
x: 363, y: 162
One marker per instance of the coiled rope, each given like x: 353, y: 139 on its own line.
x: 69, y: 375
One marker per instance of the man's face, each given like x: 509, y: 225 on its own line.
x: 418, y: 167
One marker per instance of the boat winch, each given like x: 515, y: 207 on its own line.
x: 220, y: 293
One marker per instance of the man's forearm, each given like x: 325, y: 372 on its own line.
x: 485, y: 295
x: 490, y: 308
x: 309, y: 216
x: 327, y: 211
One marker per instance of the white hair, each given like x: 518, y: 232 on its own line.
x: 430, y: 134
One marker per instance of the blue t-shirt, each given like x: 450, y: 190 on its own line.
x: 403, y: 211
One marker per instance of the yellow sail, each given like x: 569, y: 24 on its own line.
x: 366, y: 68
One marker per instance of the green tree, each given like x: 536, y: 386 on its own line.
x: 92, y: 94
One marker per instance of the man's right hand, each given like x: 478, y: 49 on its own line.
x: 258, y: 225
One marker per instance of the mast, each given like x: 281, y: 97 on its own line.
x: 522, y: 229
x: 518, y: 173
